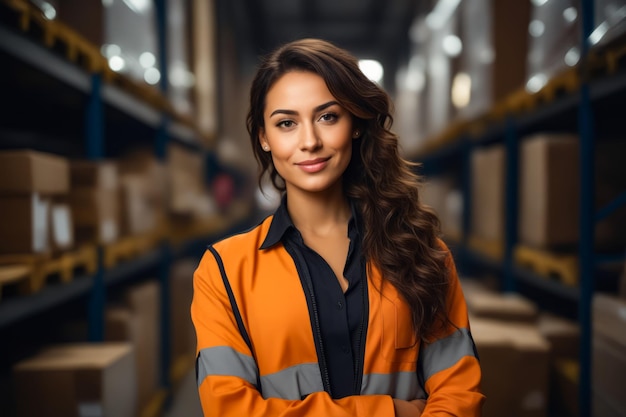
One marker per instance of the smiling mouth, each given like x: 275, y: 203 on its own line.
x: 313, y: 165
x: 310, y: 162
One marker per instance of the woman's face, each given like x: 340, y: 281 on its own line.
x: 307, y: 132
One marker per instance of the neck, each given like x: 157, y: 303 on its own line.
x: 319, y: 212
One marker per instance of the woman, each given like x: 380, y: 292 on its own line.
x: 344, y: 302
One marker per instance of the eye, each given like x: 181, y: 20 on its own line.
x: 285, y: 123
x: 328, y: 117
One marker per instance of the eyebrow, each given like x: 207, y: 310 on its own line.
x: 316, y: 109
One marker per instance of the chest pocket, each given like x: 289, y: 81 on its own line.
x: 399, y: 341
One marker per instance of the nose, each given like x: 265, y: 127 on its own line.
x: 309, y: 138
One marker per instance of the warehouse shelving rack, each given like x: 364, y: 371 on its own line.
x: 585, y: 100
x: 79, y: 108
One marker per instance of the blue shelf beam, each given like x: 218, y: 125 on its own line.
x: 94, y: 137
x: 610, y: 208
x: 587, y: 219
x: 511, y: 202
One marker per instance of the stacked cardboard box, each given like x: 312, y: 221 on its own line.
x: 514, y: 355
x: 514, y: 362
x: 143, y: 188
x: 94, y: 201
x: 564, y: 338
x: 137, y: 320
x: 487, y: 190
x: 29, y: 180
x: 77, y: 380
x: 495, y: 44
x: 188, y: 196
x: 609, y: 356
x: 549, y: 192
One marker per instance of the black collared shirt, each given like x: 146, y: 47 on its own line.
x: 341, y: 315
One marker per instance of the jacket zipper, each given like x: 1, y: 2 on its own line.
x: 308, y: 287
x: 360, y: 348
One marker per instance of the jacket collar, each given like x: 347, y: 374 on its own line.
x: 282, y: 224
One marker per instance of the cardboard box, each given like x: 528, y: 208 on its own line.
x: 495, y: 45
x: 183, y: 334
x: 138, y: 215
x: 24, y: 224
x: 510, y: 307
x: 609, y: 355
x: 441, y: 195
x: 549, y: 191
x: 95, y: 214
x: 487, y: 188
x: 514, y: 359
x: 90, y: 174
x: 137, y: 321
x: 563, y: 335
x: 609, y: 318
x: 77, y: 380
x: 496, y: 359
x: 608, y: 376
x: 26, y: 172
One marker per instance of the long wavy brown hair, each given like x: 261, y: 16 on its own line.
x: 400, y: 233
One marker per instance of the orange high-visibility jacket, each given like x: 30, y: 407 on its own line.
x: 260, y: 359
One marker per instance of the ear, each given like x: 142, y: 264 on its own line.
x: 263, y: 139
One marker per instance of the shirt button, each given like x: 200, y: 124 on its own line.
x: 339, y: 305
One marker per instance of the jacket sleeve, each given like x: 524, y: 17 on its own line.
x: 449, y: 364
x: 227, y: 372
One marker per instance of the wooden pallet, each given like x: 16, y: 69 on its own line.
x: 128, y: 248
x: 550, y: 265
x: 12, y: 274
x: 30, y: 272
x: 492, y: 248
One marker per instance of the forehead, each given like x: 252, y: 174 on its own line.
x: 298, y: 90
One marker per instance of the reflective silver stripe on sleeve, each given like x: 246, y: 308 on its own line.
x: 400, y: 385
x: 444, y: 353
x: 293, y: 383
x: 226, y: 361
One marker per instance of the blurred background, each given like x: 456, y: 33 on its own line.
x: 123, y: 153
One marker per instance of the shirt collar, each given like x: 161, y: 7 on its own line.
x: 281, y: 224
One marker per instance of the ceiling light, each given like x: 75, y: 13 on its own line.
x: 372, y: 69
x: 452, y: 45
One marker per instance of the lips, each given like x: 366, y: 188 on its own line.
x: 313, y: 165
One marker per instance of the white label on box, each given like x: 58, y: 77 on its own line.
x: 90, y: 410
x: 40, y: 223
x: 61, y: 225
